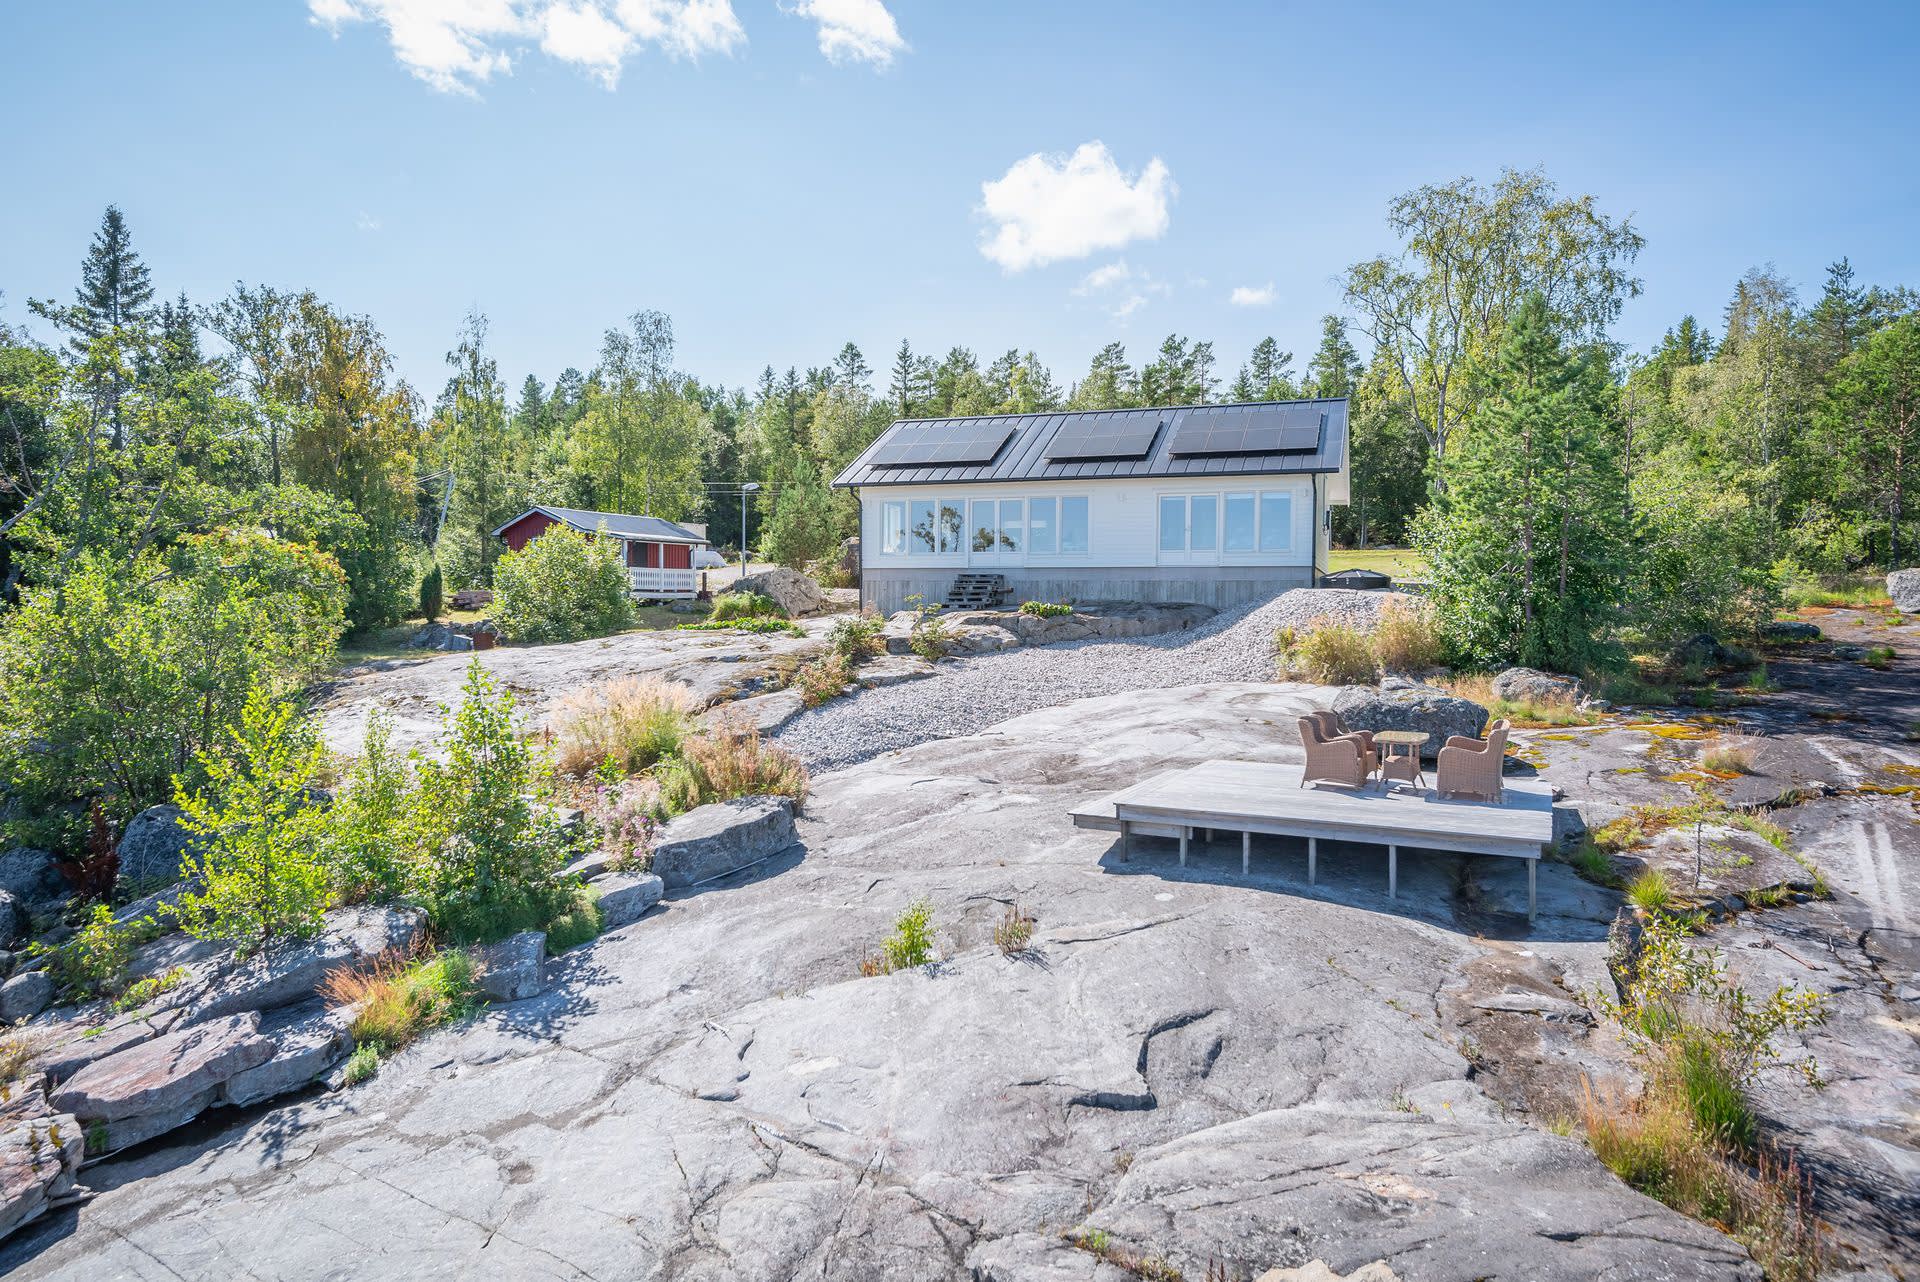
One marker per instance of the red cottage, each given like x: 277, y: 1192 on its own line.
x: 660, y: 555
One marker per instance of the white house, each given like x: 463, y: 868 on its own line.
x: 1218, y: 504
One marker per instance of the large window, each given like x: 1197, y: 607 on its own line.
x: 893, y: 527
x: 1203, y: 522
x: 1053, y: 525
x: 1073, y: 524
x: 1276, y: 521
x: 922, y: 528
x: 1173, y: 523
x: 1042, y: 534
x: 1239, y: 523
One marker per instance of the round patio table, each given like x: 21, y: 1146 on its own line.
x: 1404, y: 765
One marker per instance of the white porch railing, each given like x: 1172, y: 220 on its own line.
x: 662, y: 583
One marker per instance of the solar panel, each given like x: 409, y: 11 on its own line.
x: 1125, y: 435
x: 942, y: 443
x: 1249, y: 429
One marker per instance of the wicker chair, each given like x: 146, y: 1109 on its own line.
x: 1471, y: 767
x: 1330, y: 729
x: 1336, y: 760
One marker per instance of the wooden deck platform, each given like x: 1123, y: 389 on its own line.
x: 1250, y: 797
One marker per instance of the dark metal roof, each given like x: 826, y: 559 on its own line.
x: 619, y: 524
x: 1024, y: 458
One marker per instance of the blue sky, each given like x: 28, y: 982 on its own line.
x: 777, y: 201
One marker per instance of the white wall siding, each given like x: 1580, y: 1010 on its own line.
x: 1123, y: 526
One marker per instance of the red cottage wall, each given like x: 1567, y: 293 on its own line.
x: 679, y: 556
x: 525, y: 530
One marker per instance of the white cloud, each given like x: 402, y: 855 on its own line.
x: 366, y: 222
x: 458, y: 45
x: 1048, y: 208
x: 1102, y: 277
x: 854, y: 30
x: 1252, y: 295
x: 1128, y: 306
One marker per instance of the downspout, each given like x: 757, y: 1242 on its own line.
x: 1319, y: 526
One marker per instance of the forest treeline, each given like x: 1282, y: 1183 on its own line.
x: 1779, y: 439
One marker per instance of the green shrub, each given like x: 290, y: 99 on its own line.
x: 487, y: 843
x: 857, y: 638
x: 259, y: 861
x: 113, y: 680
x: 94, y: 960
x: 432, y: 593
x: 367, y: 829
x: 562, y: 586
x: 753, y: 625
x: 824, y: 679
x: 142, y: 991
x: 1045, y: 609
x: 363, y: 1065
x: 1880, y: 658
x: 577, y: 923
x: 930, y: 638
x: 910, y: 944
x: 744, y: 605
x: 1595, y: 865
x: 1014, y: 934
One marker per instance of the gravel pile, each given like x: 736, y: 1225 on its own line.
x: 969, y: 695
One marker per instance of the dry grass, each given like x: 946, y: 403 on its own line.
x: 18, y: 1047
x: 1653, y: 1144
x: 1014, y: 934
x: 1405, y: 639
x: 398, y: 999
x: 1728, y: 759
x: 1525, y: 714
x: 1330, y: 654
x: 732, y: 762
x: 633, y: 722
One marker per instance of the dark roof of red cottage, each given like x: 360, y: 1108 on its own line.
x: 620, y: 525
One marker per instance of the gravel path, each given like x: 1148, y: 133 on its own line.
x: 969, y: 695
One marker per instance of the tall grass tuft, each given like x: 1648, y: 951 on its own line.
x: 398, y: 1000
x: 1406, y: 639
x: 744, y: 605
x: 1335, y: 654
x: 633, y: 722
x: 732, y: 762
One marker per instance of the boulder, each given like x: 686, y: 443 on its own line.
x: 293, y: 972
x: 153, y: 847
x: 1521, y: 684
x: 1706, y: 651
x: 157, y: 1085
x: 979, y: 638
x: 439, y: 636
x: 81, y: 1042
x: 25, y: 996
x: 849, y: 558
x: 721, y: 838
x: 39, y: 1164
x: 624, y: 897
x: 29, y: 876
x: 1398, y: 704
x: 789, y: 589
x: 15, y: 921
x: 1848, y: 652
x: 1789, y: 632
x: 514, y: 969
x: 1904, y: 587
x: 308, y: 1040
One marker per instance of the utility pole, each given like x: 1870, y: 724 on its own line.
x: 745, y: 489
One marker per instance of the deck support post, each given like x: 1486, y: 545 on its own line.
x: 1209, y: 833
x: 1126, y: 840
x: 1313, y: 856
x: 1185, y: 832
x: 1532, y: 867
x: 1246, y: 852
x: 1393, y: 872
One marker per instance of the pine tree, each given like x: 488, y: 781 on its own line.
x: 479, y: 451
x: 1110, y: 382
x: 851, y: 371
x: 1335, y: 367
x: 109, y: 317
x: 801, y: 528
x: 912, y: 382
x: 1527, y: 543
x: 1267, y: 375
